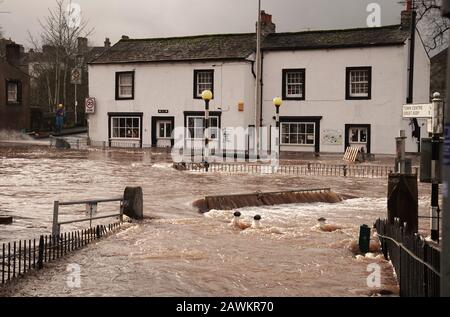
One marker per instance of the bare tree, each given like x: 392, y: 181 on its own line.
x: 432, y: 26
x: 59, y: 34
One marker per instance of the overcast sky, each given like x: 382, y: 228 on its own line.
x: 161, y: 18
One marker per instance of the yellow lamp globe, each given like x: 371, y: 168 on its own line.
x: 207, y: 95
x: 277, y: 101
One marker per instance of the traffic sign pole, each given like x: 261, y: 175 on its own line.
x: 445, y: 250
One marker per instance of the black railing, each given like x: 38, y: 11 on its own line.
x: 314, y: 169
x: 20, y: 257
x: 415, y: 261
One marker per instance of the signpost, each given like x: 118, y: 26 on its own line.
x: 89, y: 105
x: 445, y: 253
x: 434, y: 113
x: 424, y: 110
x: 75, y: 79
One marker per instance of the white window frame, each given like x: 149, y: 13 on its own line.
x: 298, y: 133
x: 165, y: 123
x: 205, y: 85
x: 300, y: 84
x: 189, y: 137
x: 120, y: 85
x: 138, y: 138
x: 359, y: 82
x: 14, y: 84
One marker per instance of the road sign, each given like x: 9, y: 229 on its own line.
x: 75, y: 76
x: 90, y: 105
x: 424, y: 110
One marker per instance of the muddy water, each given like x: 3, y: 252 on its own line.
x: 177, y: 251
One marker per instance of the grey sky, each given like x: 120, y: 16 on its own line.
x: 161, y: 18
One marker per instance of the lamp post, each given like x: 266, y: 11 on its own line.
x: 277, y: 103
x: 207, y: 95
x: 445, y: 253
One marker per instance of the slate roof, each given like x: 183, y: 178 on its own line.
x: 240, y: 46
x: 362, y: 37
x: 190, y: 48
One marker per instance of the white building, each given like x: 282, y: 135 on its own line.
x: 339, y: 87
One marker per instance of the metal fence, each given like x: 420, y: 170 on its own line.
x: 415, y: 261
x: 76, y: 143
x: 91, y: 211
x: 317, y: 169
x: 21, y: 257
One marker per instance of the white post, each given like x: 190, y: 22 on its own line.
x: 258, y: 80
x: 76, y: 105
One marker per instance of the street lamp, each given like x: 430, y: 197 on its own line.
x: 207, y: 95
x: 277, y: 103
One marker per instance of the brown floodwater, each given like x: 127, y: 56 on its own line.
x: 176, y: 251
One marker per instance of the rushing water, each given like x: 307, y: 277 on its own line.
x: 177, y: 251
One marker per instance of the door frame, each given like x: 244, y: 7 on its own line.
x: 155, y: 120
x: 354, y: 125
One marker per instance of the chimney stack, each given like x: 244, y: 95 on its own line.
x: 82, y: 45
x: 125, y: 37
x: 13, y: 54
x: 406, y: 18
x: 107, y: 42
x: 267, y: 26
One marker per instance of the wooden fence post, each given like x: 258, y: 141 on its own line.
x: 41, y: 253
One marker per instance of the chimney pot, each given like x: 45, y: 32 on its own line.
x: 125, y: 37
x: 107, y: 42
x: 267, y: 26
x: 408, y: 5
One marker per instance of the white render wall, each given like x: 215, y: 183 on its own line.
x: 169, y: 86
x: 325, y: 72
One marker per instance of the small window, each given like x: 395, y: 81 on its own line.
x: 298, y: 133
x: 293, y: 84
x: 359, y: 81
x: 13, y: 92
x: 203, y: 80
x: 358, y: 135
x: 196, y: 129
x: 126, y: 127
x: 124, y: 85
x: 165, y: 130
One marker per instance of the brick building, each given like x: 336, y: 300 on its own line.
x: 14, y: 89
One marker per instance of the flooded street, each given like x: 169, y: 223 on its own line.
x: 176, y: 251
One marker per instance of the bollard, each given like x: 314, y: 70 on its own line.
x: 364, y: 238
x: 133, y: 203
